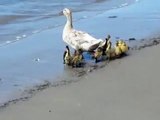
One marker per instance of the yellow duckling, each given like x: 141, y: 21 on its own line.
x: 120, y: 42
x: 67, y: 58
x: 124, y: 47
x: 110, y: 52
x: 104, y: 47
x: 118, y: 50
x: 98, y: 54
x: 77, y: 59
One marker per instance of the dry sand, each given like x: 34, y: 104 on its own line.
x: 126, y: 89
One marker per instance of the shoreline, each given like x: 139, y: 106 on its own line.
x: 85, y: 71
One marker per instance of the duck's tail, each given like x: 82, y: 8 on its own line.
x: 92, y: 46
x: 97, y: 44
x: 102, y: 43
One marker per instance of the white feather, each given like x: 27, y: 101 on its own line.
x: 78, y: 39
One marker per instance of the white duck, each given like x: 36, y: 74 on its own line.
x: 78, y: 39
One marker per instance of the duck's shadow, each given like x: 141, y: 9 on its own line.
x: 87, y: 66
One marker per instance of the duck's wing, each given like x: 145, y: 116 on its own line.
x: 83, y: 40
x: 83, y: 37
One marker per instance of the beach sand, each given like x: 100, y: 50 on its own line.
x: 126, y: 89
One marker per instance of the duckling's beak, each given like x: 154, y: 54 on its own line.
x: 60, y: 13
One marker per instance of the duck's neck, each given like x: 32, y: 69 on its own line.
x: 109, y: 46
x: 68, y: 25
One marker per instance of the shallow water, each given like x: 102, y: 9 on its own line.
x: 23, y: 20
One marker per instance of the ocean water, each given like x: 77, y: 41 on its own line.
x: 20, y: 19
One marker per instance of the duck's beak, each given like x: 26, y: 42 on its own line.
x: 61, y: 13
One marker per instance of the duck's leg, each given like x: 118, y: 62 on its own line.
x: 96, y: 60
x: 64, y: 54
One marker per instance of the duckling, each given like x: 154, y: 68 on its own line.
x: 98, y: 54
x: 124, y: 47
x: 118, y: 50
x: 104, y: 47
x: 77, y: 59
x: 120, y: 42
x: 110, y: 52
x: 67, y: 58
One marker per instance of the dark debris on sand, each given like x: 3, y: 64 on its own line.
x: 113, y: 16
x: 13, y: 102
x: 146, y: 43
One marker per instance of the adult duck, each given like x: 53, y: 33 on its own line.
x: 78, y: 39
